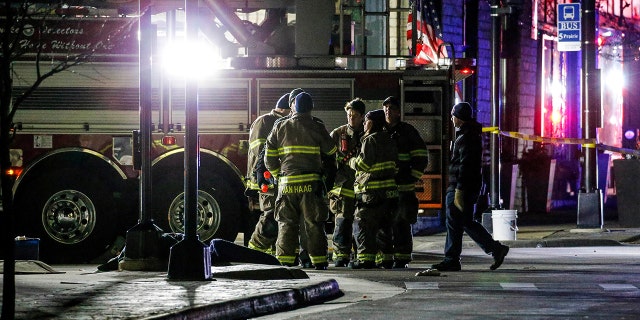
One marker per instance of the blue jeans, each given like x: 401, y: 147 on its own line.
x: 462, y: 221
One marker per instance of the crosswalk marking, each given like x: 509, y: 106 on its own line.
x: 522, y: 286
x: 518, y: 286
x: 617, y: 286
x: 421, y: 285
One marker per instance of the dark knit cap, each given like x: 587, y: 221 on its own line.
x: 356, y: 105
x: 462, y: 111
x: 377, y: 116
x: 283, y: 102
x: 391, y: 102
x: 304, y: 103
x: 294, y: 93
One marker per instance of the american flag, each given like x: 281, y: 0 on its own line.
x: 429, y: 35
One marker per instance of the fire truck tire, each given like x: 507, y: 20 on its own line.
x: 73, y: 216
x: 217, y: 208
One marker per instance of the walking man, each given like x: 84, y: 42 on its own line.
x: 465, y: 180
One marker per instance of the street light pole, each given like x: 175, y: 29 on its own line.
x: 190, y: 259
x: 590, y: 209
x: 495, y: 104
x: 143, y: 240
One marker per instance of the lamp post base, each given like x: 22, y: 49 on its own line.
x: 190, y: 259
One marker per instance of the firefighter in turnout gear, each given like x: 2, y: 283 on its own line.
x: 411, y: 162
x: 260, y: 169
x: 266, y: 230
x: 375, y: 191
x: 299, y: 151
x: 341, y: 197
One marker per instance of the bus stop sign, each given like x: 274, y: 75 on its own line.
x: 569, y: 25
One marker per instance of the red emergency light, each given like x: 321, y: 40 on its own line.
x: 466, y: 70
x: 14, y: 172
x: 168, y: 140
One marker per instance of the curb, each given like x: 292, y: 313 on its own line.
x: 259, y: 305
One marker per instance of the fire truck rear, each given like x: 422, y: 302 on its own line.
x: 75, y: 147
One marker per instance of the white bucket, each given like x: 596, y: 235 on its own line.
x: 504, y: 224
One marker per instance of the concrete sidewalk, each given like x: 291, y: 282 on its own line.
x: 237, y: 291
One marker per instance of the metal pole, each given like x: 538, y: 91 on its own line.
x: 190, y: 259
x: 142, y: 243
x: 495, y: 104
x: 589, y: 105
x: 590, y: 208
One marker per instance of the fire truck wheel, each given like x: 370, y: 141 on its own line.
x: 73, y: 216
x: 216, y: 209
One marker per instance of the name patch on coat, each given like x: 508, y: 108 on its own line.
x: 297, y: 189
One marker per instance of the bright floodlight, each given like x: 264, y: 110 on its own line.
x: 186, y: 59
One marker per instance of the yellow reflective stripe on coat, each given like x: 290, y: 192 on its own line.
x: 375, y: 185
x: 419, y: 153
x: 388, y: 165
x: 416, y: 174
x: 342, y: 191
x: 299, y: 178
x: 361, y: 165
x: 298, y: 150
x: 404, y: 156
x: 272, y: 152
x: 253, y: 186
x: 257, y: 143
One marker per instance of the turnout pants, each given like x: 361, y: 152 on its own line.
x: 373, y: 218
x: 407, y: 214
x: 300, y: 207
x: 343, y: 208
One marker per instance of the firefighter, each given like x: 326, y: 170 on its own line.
x: 266, y: 230
x: 296, y: 153
x: 411, y: 162
x: 375, y: 191
x: 341, y: 197
x: 270, y: 222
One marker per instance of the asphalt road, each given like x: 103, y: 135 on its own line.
x: 533, y: 283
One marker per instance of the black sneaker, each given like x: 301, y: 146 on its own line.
x: 498, y: 256
x: 401, y: 264
x: 341, y: 263
x: 321, y: 266
x: 363, y: 264
x: 447, y: 265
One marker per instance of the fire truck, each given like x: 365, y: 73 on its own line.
x: 78, y: 189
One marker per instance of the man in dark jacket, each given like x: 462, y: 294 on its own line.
x: 465, y: 180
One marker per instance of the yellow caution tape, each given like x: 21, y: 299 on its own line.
x: 491, y: 129
x: 587, y: 143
